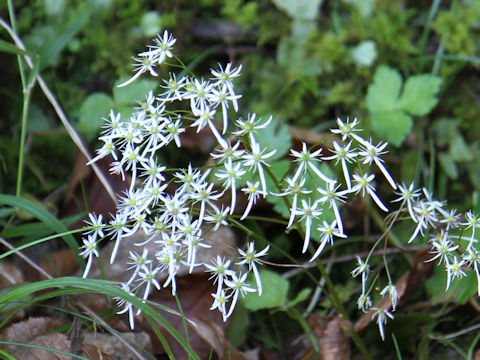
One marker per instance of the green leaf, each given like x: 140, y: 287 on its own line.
x: 12, y: 49
x: 301, y: 296
x: 275, y: 289
x: 303, y: 9
x: 275, y: 137
x: 365, y: 53
x: 133, y: 93
x: 392, y: 126
x: 459, y: 150
x: 44, y: 216
x: 448, y: 165
x: 419, y: 94
x: 91, y: 114
x: 383, y: 93
x: 63, y: 34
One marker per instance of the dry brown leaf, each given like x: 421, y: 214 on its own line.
x: 33, y: 332
x: 333, y: 342
x: 27, y: 330
x: 9, y: 275
x: 214, y: 335
x: 116, y: 349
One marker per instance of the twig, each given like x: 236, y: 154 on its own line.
x: 25, y: 258
x: 63, y: 118
x: 346, y: 258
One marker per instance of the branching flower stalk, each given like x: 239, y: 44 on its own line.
x: 175, y: 222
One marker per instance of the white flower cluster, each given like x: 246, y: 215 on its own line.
x: 177, y: 222
x: 451, y: 236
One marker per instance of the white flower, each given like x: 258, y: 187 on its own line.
x: 96, y: 226
x: 220, y: 303
x: 328, y: 232
x: 344, y: 155
x: 331, y: 195
x: 425, y: 215
x: 307, y: 160
x: 294, y: 189
x: 309, y: 212
x: 382, y: 315
x: 138, y: 262
x: 217, y: 217
x: 225, y: 77
x: 127, y: 306
x: 148, y: 277
x: 141, y: 65
x: 227, y: 152
x: 230, y: 175
x: 362, y: 268
x: 90, y: 249
x: 249, y: 126
x: 454, y: 270
x: 408, y: 195
x: 391, y: 290
x: 443, y: 247
x: 253, y: 191
x: 364, y: 302
x: 238, y: 286
x: 222, y: 97
x: 174, y: 129
x: 472, y: 257
x: 371, y: 153
x: 348, y: 130
x: 256, y: 159
x: 204, y: 194
x: 162, y: 48
x: 472, y: 221
x: 251, y: 258
x: 173, y: 88
x: 220, y: 270
x: 363, y: 185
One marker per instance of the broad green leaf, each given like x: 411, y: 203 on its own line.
x: 303, y: 9
x: 460, y: 289
x: 448, y: 165
x: 459, y: 150
x: 392, y: 126
x: 151, y: 23
x: 275, y: 289
x: 237, y: 330
x: 275, y: 137
x: 132, y: 93
x: 419, y: 94
x: 383, y: 93
x: 95, y: 107
x: 365, y: 53
x: 301, y: 296
x: 37, y: 120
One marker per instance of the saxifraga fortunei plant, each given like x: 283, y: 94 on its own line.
x: 177, y: 222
